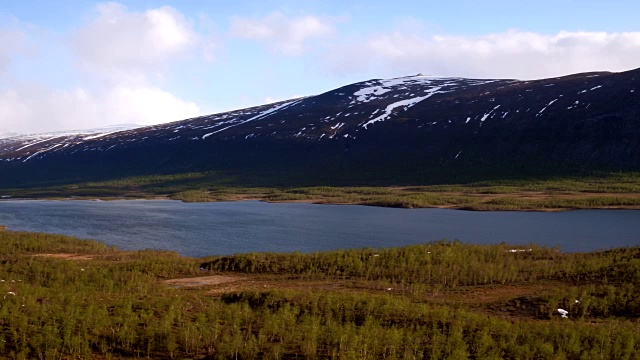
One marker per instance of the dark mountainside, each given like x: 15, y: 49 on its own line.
x: 410, y: 130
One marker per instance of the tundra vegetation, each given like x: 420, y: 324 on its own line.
x: 551, y: 193
x: 66, y: 298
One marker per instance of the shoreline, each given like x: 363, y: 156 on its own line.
x: 320, y: 201
x: 546, y: 194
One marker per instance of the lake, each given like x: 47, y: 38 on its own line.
x: 201, y: 229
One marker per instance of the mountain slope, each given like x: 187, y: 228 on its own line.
x: 411, y: 129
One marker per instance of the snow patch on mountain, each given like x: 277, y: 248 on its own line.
x: 545, y: 108
x: 261, y: 115
x: 406, y: 103
x: 486, y: 116
x: 428, y: 85
x: 51, y: 135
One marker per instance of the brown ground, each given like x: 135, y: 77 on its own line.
x: 200, y: 281
x: 220, y: 284
x: 76, y: 257
x: 513, y: 302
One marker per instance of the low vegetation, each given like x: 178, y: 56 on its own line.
x: 596, y: 190
x: 64, y: 298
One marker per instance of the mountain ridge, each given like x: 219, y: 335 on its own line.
x: 386, y: 127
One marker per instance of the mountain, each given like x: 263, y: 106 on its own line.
x: 411, y: 129
x: 14, y: 142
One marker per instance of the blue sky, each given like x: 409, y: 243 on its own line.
x: 85, y: 64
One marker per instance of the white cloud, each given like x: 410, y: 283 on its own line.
x: 148, y: 105
x: 512, y: 54
x: 117, y: 40
x: 124, y: 57
x: 287, y: 35
x: 33, y: 110
x: 12, y: 112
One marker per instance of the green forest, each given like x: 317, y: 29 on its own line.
x: 67, y: 298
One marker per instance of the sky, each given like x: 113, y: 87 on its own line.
x: 78, y: 64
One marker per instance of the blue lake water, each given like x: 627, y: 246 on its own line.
x: 201, y: 229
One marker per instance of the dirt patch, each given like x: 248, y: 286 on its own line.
x: 512, y: 302
x: 199, y: 281
x: 77, y: 257
x: 224, y: 283
x: 487, y: 294
x: 265, y: 284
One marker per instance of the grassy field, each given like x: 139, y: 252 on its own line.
x: 603, y: 190
x: 65, y: 298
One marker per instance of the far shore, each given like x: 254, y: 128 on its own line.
x: 520, y: 201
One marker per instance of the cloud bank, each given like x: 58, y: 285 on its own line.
x: 123, y: 57
x: 28, y: 110
x: 125, y: 45
x: 512, y: 54
x: 288, y: 35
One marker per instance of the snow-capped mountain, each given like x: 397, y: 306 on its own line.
x: 14, y: 142
x: 590, y: 119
